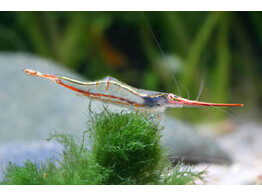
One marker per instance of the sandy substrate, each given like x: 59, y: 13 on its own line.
x: 244, y: 145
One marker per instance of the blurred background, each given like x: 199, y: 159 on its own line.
x: 222, y: 50
x: 213, y: 56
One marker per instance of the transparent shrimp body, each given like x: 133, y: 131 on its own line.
x: 110, y: 90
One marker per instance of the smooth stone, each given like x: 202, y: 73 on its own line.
x: 31, y: 108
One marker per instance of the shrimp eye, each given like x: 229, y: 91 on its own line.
x: 171, y: 96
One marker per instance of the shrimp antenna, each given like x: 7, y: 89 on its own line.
x: 161, y: 51
x: 204, y: 75
x: 203, y: 80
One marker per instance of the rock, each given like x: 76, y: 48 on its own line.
x: 19, y: 152
x: 31, y: 108
x: 185, y: 143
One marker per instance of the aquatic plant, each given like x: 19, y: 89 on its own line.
x: 125, y: 149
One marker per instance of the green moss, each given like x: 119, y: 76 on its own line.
x: 128, y: 145
x: 182, y: 175
x: 125, y: 149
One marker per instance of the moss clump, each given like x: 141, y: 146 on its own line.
x: 125, y: 149
x: 127, y: 144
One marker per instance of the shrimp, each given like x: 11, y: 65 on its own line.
x: 112, y: 91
